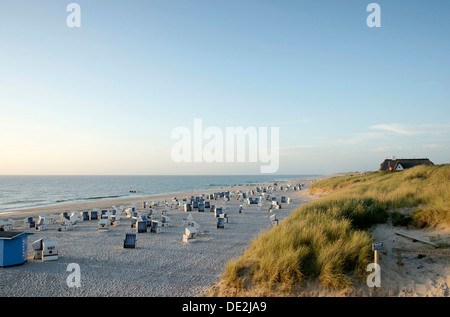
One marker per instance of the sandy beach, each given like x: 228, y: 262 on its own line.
x: 161, y: 265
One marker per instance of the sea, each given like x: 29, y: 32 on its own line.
x: 21, y: 192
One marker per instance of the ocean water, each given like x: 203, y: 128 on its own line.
x: 17, y: 192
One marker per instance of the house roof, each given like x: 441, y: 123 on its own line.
x: 406, y: 163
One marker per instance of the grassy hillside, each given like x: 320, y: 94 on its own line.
x: 424, y: 188
x: 327, y: 240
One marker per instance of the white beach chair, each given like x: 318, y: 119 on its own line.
x: 156, y: 226
x: 65, y: 225
x: 74, y: 219
x: 64, y: 215
x: 128, y: 212
x: 165, y: 221
x: 7, y: 225
x: 10, y: 224
x: 50, y: 250
x: 103, y: 225
x: 190, y: 234
x: 45, y: 250
x: 273, y: 220
x: 115, y: 219
x: 29, y: 222
x: 37, y: 247
x: 187, y: 220
x: 40, y: 225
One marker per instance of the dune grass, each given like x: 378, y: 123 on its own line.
x: 327, y: 240
x: 425, y: 188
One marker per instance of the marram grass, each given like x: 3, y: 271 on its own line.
x: 425, y: 188
x: 326, y: 240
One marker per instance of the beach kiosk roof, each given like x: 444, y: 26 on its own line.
x: 13, y: 248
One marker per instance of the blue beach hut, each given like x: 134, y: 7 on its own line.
x: 13, y: 248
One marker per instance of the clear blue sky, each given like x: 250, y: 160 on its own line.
x: 104, y: 98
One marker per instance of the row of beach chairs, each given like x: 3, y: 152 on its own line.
x: 141, y: 223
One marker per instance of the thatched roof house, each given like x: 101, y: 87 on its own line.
x: 401, y: 164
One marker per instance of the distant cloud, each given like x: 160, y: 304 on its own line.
x: 381, y: 149
x: 388, y: 130
x: 361, y: 138
x: 434, y: 129
x: 392, y: 148
x: 394, y: 127
x: 433, y: 146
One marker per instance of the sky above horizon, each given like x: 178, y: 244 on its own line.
x: 104, y: 98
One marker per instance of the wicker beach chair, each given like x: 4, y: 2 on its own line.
x: 190, y: 234
x: 74, y: 219
x: 85, y: 216
x: 141, y: 226
x: 156, y: 226
x: 221, y: 222
x: 65, y: 225
x: 165, y: 221
x: 40, y: 225
x: 45, y: 250
x: 37, y: 247
x: 187, y: 220
x: 7, y: 226
x: 29, y: 222
x: 130, y: 240
x: 64, y: 215
x: 93, y: 214
x: 273, y: 220
x: 218, y: 211
x: 133, y: 222
x: 103, y: 225
x: 104, y: 214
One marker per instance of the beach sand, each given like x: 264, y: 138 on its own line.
x: 161, y: 265
x: 418, y: 276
